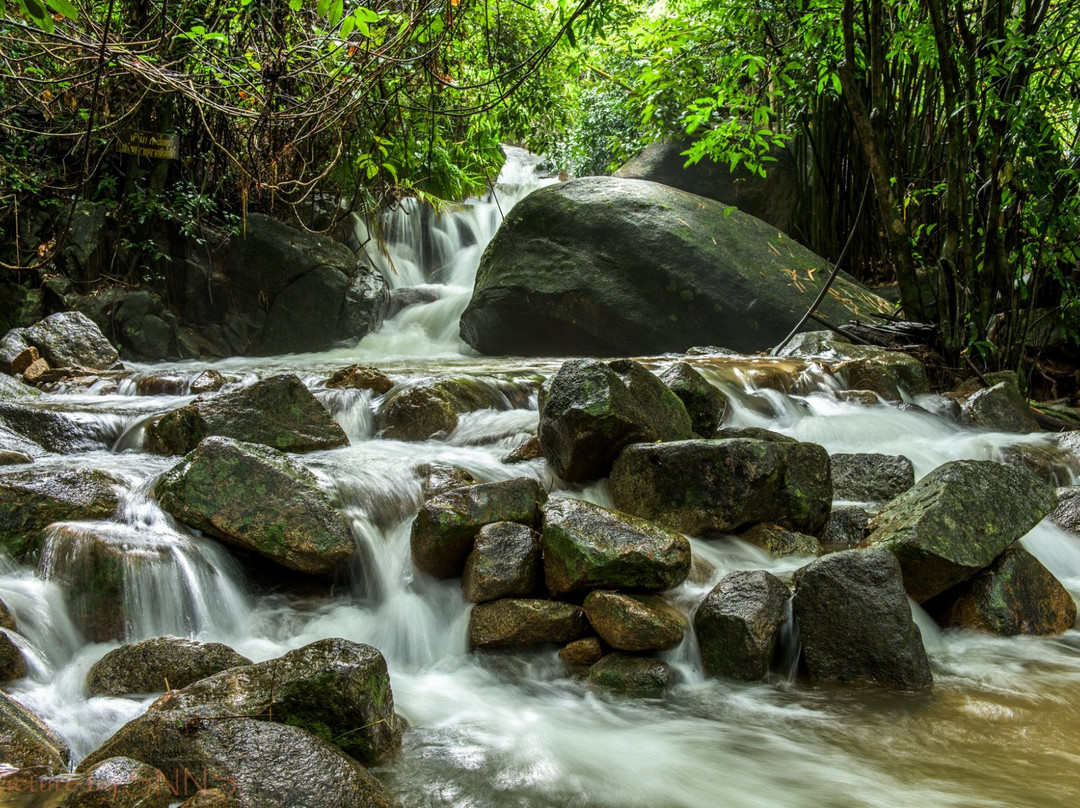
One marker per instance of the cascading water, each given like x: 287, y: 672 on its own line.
x: 1000, y: 728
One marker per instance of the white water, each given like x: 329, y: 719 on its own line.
x: 1001, y: 727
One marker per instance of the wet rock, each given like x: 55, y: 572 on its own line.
x: 159, y: 664
x: 864, y: 398
x: 210, y: 798
x: 35, y: 372
x: 889, y: 374
x: 258, y: 763
x: 529, y: 450
x: 586, y: 547
x: 334, y: 688
x: 445, y: 529
x: 855, y: 624
x: 752, y: 433
x: 779, y: 542
x: 870, y: 477
x: 8, y: 458
x: 1067, y: 513
x: 956, y: 520
x: 613, y: 267
x: 635, y: 622
x: 705, y: 404
x: 437, y: 478
x: 24, y: 360
x: 256, y: 498
x: 1050, y: 462
x: 55, y: 431
x: 14, y: 390
x: 1015, y: 595
x: 12, y: 662
x: 279, y: 412
x: 586, y: 651
x: 846, y: 527
x: 164, y: 384
x: 633, y: 675
x: 738, y: 624
x: 71, y: 339
x: 407, y: 296
x: 1001, y: 408
x: 119, y: 782
x: 7, y: 619
x: 25, y: 740
x: 422, y: 411
x: 33, y: 499
x: 699, y: 487
x: 209, y: 381
x: 504, y: 563
x: 591, y: 410
x: 360, y: 377
x: 12, y: 344
x: 525, y: 621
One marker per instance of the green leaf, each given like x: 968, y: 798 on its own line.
x: 336, y: 10
x: 296, y: 5
x: 63, y: 7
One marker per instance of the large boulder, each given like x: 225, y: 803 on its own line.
x: 31, y: 500
x: 855, y: 624
x: 278, y: 411
x: 701, y: 486
x: 26, y: 741
x: 445, y: 529
x: 586, y: 547
x: 771, y: 198
x: 119, y: 782
x: 159, y: 664
x: 336, y: 689
x: 635, y: 622
x: 55, y: 431
x: 602, y: 266
x: 259, y: 764
x: 256, y: 498
x: 71, y: 339
x: 1014, y: 595
x: 504, y: 563
x: 738, y: 624
x: 871, y: 477
x: 591, y: 410
x: 1001, y: 408
x: 525, y: 621
x: 956, y: 520
x: 705, y: 404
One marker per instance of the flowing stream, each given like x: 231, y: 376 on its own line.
x: 1000, y: 727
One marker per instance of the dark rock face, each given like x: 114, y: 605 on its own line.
x: 1000, y: 408
x: 515, y: 621
x: 956, y: 520
x: 257, y: 498
x: 258, y: 763
x: 33, y: 499
x: 771, y: 198
x: 157, y: 664
x: 586, y: 547
x: 845, y: 528
x: 738, y: 624
x: 360, y: 377
x: 705, y: 404
x: 26, y: 741
x: 279, y: 412
x: 627, y: 267
x: 779, y: 542
x: 12, y: 662
x: 55, y: 431
x: 855, y: 624
x: 421, y: 411
x: 635, y: 622
x: 504, y: 563
x: 591, y: 410
x: 871, y: 477
x: 633, y: 675
x: 1067, y: 513
x: 699, y: 487
x: 71, y: 339
x: 120, y: 782
x: 1014, y: 595
x: 446, y: 527
x: 336, y: 689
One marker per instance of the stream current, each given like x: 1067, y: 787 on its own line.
x: 1000, y: 727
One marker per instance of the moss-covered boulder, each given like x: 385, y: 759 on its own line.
x: 445, y: 529
x: 26, y: 741
x: 956, y: 520
x: 259, y: 764
x: 279, y: 412
x: 428, y: 409
x: 31, y: 500
x: 854, y: 622
x: 779, y: 541
x: 870, y: 477
x: 258, y: 499
x: 705, y: 404
x: 360, y: 377
x: 591, y: 410
x: 699, y: 486
x: 632, y: 675
x: 119, y: 782
x: 1001, y: 408
x: 586, y: 547
x: 209, y: 381
x: 1014, y: 595
x: 600, y: 266
x: 635, y: 622
x: 738, y: 624
x: 525, y: 621
x: 71, y: 339
x: 336, y: 689
x: 583, y: 652
x: 159, y: 664
x: 504, y: 563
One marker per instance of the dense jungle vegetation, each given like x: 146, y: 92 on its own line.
x: 951, y: 126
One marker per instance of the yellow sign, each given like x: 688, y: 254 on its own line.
x: 148, y: 144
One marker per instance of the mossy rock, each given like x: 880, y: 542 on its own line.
x: 738, y: 624
x: 705, y: 404
x: 525, y: 621
x: 780, y: 542
x: 158, y: 664
x: 119, y: 782
x: 504, y: 563
x: 630, y: 675
x: 426, y: 410
x: 25, y: 740
x: 635, y: 622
